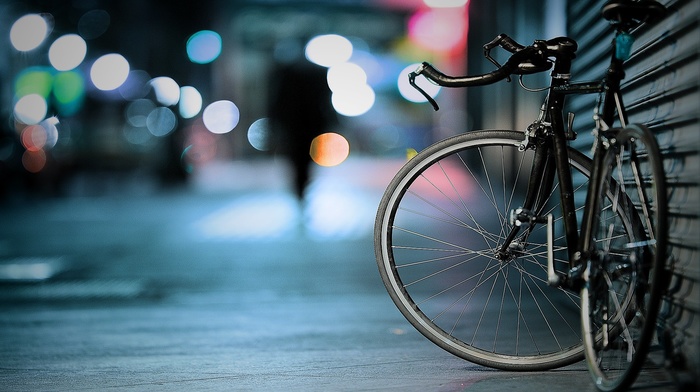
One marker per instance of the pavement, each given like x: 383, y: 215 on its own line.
x: 226, y: 284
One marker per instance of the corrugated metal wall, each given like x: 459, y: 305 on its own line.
x: 660, y: 90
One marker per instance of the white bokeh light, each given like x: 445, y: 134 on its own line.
x: 67, y: 52
x: 221, y: 116
x: 408, y: 92
x: 166, y: 89
x: 28, y: 32
x: 353, y: 102
x: 109, y: 71
x: 31, y: 109
x: 190, y: 102
x: 445, y: 3
x: 259, y: 134
x: 328, y: 50
x: 345, y: 75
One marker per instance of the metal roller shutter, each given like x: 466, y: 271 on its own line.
x: 661, y: 90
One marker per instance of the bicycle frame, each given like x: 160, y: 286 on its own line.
x: 550, y: 139
x: 470, y: 279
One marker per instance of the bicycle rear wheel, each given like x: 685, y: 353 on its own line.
x: 622, y: 294
x: 437, y: 230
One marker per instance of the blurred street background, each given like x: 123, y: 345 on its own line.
x: 221, y: 287
x: 152, y: 236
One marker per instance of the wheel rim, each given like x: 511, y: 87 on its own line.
x: 471, y: 323
x: 625, y: 282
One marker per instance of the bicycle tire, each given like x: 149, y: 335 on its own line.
x: 624, y: 280
x: 435, y: 204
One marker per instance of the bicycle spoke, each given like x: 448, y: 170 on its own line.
x: 441, y: 228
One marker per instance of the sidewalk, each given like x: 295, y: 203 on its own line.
x: 222, y: 287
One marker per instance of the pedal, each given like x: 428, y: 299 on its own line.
x: 552, y: 277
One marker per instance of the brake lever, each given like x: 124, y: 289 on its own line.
x: 412, y: 82
x: 491, y: 59
x: 487, y: 54
x: 497, y: 42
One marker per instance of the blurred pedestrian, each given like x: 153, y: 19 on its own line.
x: 300, y: 109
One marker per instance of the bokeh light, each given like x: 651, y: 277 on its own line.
x: 135, y: 86
x: 109, y: 71
x: 166, y: 89
x: 204, y: 46
x: 34, y: 80
x: 221, y: 116
x: 68, y: 91
x: 34, y: 161
x: 346, y: 76
x: 201, y: 147
x: 259, y: 134
x: 30, y: 109
x: 161, y: 121
x: 408, y: 92
x: 33, y: 137
x: 50, y: 126
x: 190, y: 102
x: 352, y: 96
x: 328, y: 50
x: 137, y: 112
x: 93, y: 24
x: 329, y: 149
x: 354, y: 101
x: 67, y: 52
x: 445, y: 3
x: 439, y: 29
x: 371, y: 65
x: 40, y: 136
x: 28, y: 32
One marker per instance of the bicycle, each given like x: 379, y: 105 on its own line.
x: 465, y: 232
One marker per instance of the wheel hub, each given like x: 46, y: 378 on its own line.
x: 514, y: 250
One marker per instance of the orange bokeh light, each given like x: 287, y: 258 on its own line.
x: 329, y: 149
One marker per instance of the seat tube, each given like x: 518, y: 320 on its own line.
x: 601, y: 157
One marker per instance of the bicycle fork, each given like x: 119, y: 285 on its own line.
x: 540, y: 185
x: 551, y: 158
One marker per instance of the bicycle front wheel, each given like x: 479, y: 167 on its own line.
x: 438, y: 228
x: 622, y: 293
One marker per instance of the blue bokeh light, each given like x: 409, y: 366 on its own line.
x: 204, y: 46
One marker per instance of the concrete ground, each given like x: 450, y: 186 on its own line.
x: 223, y: 285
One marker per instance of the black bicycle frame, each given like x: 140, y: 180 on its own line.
x: 554, y: 142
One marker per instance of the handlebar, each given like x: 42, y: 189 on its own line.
x: 524, y: 60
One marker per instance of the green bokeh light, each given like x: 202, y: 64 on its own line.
x: 69, y: 91
x: 34, y: 80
